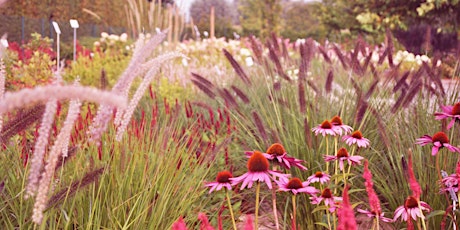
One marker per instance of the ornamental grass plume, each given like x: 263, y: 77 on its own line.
x: 41, y: 94
x: 128, y: 112
x: 39, y: 149
x: 345, y: 214
x: 62, y: 141
x: 141, y: 52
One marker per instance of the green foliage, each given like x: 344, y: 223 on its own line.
x: 110, y: 55
x: 300, y: 21
x: 260, y: 17
x: 200, y: 11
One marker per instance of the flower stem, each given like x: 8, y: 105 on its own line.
x: 377, y: 222
x: 256, y: 215
x: 294, y: 212
x: 422, y: 217
x: 275, y: 210
x: 230, y: 208
x: 327, y: 153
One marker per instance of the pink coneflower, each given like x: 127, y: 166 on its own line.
x: 439, y: 140
x: 326, y: 128
x: 356, y: 138
x: 179, y: 225
x: 411, y: 209
x: 342, y: 155
x: 257, y: 171
x: 321, y: 177
x: 277, y: 153
x: 336, y: 121
x: 326, y: 197
x: 449, y: 111
x: 450, y: 183
x: 222, y: 181
x: 345, y: 214
x: 372, y: 215
x: 295, y: 185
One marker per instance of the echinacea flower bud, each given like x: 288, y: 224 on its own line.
x: 257, y: 162
x: 441, y: 137
x: 294, y: 183
x: 326, y: 125
x: 456, y: 109
x: 276, y: 149
x: 336, y: 120
x: 224, y: 177
x: 326, y: 193
x: 342, y: 152
x: 357, y: 134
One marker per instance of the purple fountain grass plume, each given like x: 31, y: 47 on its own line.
x: 238, y: 69
x: 21, y: 121
x: 127, y: 114
x: 329, y: 80
x: 259, y: 125
x: 228, y: 98
x: 435, y: 77
x: 241, y: 94
x: 371, y: 90
x: 412, y: 92
x: 345, y: 214
x: 389, y: 39
x: 40, y: 94
x: 154, y: 66
x: 256, y: 48
x: 302, y: 100
x: 278, y: 67
x: 399, y: 101
x: 61, y: 142
x: 142, y: 50
x: 202, y: 80
x: 39, y: 149
x: 401, y: 83
x: 341, y: 57
x: 325, y: 55
x: 67, y: 192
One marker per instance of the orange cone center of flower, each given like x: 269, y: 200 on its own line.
x: 326, y: 125
x: 342, y: 152
x: 357, y: 134
x: 257, y: 162
x: 441, y: 137
x: 276, y: 149
x: 411, y: 202
x: 224, y: 177
x: 294, y: 183
x: 326, y: 193
x: 319, y: 174
x: 336, y: 120
x: 456, y: 109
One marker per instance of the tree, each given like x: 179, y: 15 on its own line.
x: 260, y: 17
x: 300, y: 21
x: 200, y: 12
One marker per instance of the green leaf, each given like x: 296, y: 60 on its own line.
x: 435, y: 213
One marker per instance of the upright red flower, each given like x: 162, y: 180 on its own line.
x: 345, y: 214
